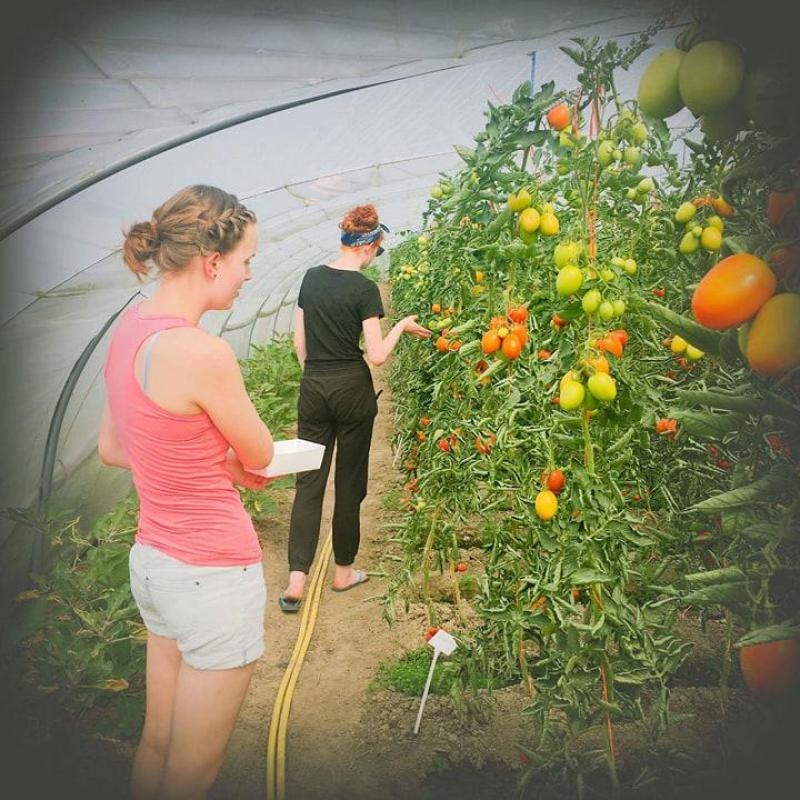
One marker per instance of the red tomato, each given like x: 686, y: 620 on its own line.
x: 556, y: 481
x: 461, y: 567
x: 779, y: 204
x: 443, y: 445
x: 785, y: 261
x: 518, y: 314
x: 733, y: 291
x: 430, y: 633
x: 543, y: 355
x: 620, y: 334
x: 659, y: 292
x: 771, y: 669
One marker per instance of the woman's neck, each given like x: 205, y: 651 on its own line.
x: 175, y: 297
x: 348, y: 260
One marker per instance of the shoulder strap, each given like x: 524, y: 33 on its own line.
x: 148, y: 351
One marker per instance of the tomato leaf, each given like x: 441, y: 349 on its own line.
x: 779, y: 478
x: 771, y: 633
x: 707, y: 340
x: 586, y: 576
x: 699, y: 423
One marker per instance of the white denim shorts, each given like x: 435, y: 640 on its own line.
x: 215, y: 614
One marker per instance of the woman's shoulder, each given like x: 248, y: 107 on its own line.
x: 192, y: 345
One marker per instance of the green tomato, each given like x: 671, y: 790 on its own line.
x: 571, y: 395
x: 437, y: 192
x: 607, y: 275
x: 638, y: 133
x: 629, y: 266
x: 561, y: 255
x: 619, y: 307
x: 606, y: 311
x: 618, y: 262
x: 632, y: 155
x: 563, y: 168
x: 631, y: 194
x: 645, y: 185
x: 602, y: 386
x: 574, y: 250
x: 569, y: 280
x: 422, y: 241
x: 697, y: 231
x: 689, y: 243
x: 617, y: 154
x: 605, y: 153
x: 591, y: 301
x: 685, y: 212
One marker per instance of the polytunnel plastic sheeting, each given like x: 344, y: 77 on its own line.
x: 299, y: 170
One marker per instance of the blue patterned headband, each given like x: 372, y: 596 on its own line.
x: 358, y: 239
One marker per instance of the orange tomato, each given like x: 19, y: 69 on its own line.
x: 512, y: 346
x: 722, y: 207
x: 490, y: 342
x: 773, y: 345
x: 558, y: 117
x: 443, y: 445
x: 666, y: 426
x: 518, y: 314
x: 521, y: 332
x: 436, y: 309
x: 600, y: 364
x: 771, y: 669
x: 543, y: 355
x: 732, y: 292
x: 611, y: 344
x: 442, y: 344
x: 455, y: 345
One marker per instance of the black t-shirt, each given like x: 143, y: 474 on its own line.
x: 335, y: 302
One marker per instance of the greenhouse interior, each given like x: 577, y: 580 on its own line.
x: 581, y: 534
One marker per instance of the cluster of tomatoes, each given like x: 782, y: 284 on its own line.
x: 706, y: 232
x: 546, y: 503
x: 507, y: 334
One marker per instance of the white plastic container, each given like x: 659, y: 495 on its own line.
x: 293, y: 455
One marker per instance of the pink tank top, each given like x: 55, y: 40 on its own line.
x: 188, y: 505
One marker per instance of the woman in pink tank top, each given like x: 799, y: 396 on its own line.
x: 179, y: 418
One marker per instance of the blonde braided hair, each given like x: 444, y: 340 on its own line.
x: 196, y: 220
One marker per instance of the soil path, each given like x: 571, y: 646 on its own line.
x: 327, y: 756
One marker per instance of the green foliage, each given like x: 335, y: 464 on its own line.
x: 408, y: 674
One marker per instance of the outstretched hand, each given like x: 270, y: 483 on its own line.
x: 411, y: 326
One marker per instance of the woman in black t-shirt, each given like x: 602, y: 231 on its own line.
x: 337, y: 402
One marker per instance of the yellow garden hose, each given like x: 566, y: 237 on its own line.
x: 276, y: 742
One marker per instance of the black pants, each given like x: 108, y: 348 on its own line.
x: 337, y: 405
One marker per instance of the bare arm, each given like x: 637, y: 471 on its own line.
x: 219, y: 391
x: 109, y: 446
x: 299, y: 335
x: 380, y: 348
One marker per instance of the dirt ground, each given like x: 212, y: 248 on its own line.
x: 346, y: 741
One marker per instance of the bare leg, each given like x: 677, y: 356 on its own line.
x: 207, y: 703
x: 161, y: 679
x: 297, y: 582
